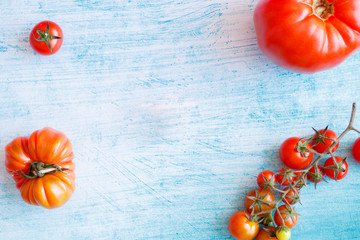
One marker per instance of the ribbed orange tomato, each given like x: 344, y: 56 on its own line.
x: 42, y: 167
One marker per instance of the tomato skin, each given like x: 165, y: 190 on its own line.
x: 356, y: 150
x: 268, y: 175
x: 265, y: 235
x: 48, y: 146
x: 241, y: 228
x: 291, y: 157
x: 331, y: 173
x: 248, y: 202
x: 40, y: 46
x: 294, y: 38
x: 289, y: 222
x: 320, y: 147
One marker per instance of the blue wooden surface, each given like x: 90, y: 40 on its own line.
x: 172, y: 111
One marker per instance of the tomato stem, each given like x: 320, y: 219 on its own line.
x: 323, y: 9
x: 40, y: 169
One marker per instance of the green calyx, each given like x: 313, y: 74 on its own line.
x: 44, y: 36
x: 302, y: 148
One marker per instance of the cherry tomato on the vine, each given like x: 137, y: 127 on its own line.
x: 285, y: 176
x: 283, y: 233
x: 321, y: 140
x: 293, y: 153
x: 307, y: 36
x: 292, y: 196
x: 287, y: 214
x: 266, y: 179
x: 46, y: 38
x: 336, y: 171
x: 267, y: 233
x: 315, y: 175
x: 356, y: 150
x: 241, y: 228
x: 256, y: 205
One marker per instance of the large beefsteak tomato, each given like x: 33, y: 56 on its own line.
x: 307, y: 36
x: 42, y: 167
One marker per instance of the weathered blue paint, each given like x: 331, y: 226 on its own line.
x: 172, y: 110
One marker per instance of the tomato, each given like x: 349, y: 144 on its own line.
x: 241, y: 228
x: 307, y: 36
x: 356, y: 150
x: 293, y: 153
x: 266, y: 179
x: 285, y: 176
x: 257, y: 206
x: 289, y: 215
x: 267, y: 233
x: 42, y: 167
x: 283, y: 233
x: 46, y: 38
x: 336, y: 171
x: 322, y: 142
x: 301, y: 182
x: 315, y: 175
x: 292, y: 196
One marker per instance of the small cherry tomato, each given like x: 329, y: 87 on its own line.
x: 252, y: 200
x: 283, y: 233
x: 302, y: 181
x: 293, y: 153
x: 288, y: 214
x: 266, y: 179
x: 241, y: 228
x: 321, y: 141
x: 285, y: 176
x: 356, y: 150
x: 292, y: 196
x: 46, y: 38
x: 315, y: 175
x: 336, y: 171
x: 267, y: 233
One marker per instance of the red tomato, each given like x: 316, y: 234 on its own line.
x: 292, y: 196
x: 268, y: 234
x: 294, y: 155
x: 315, y: 175
x: 307, y: 36
x: 266, y: 179
x: 42, y: 167
x: 321, y: 137
x: 46, y: 38
x: 241, y: 228
x: 265, y: 195
x: 290, y: 216
x: 335, y: 172
x: 285, y: 176
x: 356, y: 150
x: 301, y: 183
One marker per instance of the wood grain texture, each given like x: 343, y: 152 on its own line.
x: 172, y: 111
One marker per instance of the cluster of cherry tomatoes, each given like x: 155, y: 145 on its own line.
x: 302, y: 160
